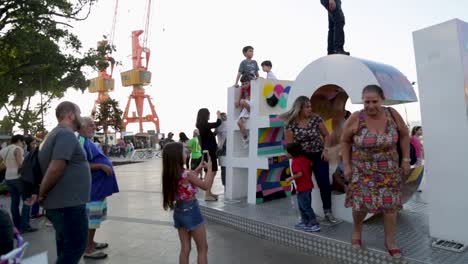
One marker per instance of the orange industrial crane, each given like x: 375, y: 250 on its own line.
x: 138, y: 77
x: 104, y: 83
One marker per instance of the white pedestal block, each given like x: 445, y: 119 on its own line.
x: 442, y: 66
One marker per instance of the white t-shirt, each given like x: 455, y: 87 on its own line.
x: 8, y: 154
x: 271, y: 76
x: 221, y: 134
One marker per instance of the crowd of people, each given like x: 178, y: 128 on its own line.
x: 375, y: 156
x: 76, y: 176
x: 71, y: 178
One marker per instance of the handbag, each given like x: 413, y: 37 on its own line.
x: 400, y: 154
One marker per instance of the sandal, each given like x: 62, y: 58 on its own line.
x: 394, y: 252
x: 211, y: 199
x: 356, y: 243
x: 98, y: 245
x: 95, y: 255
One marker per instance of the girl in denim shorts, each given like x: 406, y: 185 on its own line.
x: 179, y: 187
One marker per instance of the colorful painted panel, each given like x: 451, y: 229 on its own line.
x: 276, y: 94
x: 275, y: 121
x: 270, y: 141
x: 271, y: 184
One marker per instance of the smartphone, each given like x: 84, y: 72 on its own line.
x: 205, y: 155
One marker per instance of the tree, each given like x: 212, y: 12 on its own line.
x: 39, y: 55
x: 42, y: 12
x: 108, y: 115
x: 6, y: 126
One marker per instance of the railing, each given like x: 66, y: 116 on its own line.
x: 146, y: 154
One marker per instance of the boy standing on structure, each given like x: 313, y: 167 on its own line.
x: 301, y: 174
x: 247, y: 66
x: 266, y: 67
x: 244, y: 104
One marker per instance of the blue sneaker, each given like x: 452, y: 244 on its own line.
x: 314, y: 228
x: 300, y: 226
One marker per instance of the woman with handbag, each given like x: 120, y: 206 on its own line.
x: 372, y: 166
x: 13, y: 157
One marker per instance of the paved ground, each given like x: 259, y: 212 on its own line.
x: 139, y: 231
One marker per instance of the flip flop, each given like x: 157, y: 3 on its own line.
x: 356, y: 243
x: 394, y: 253
x: 98, y: 245
x: 211, y: 199
x: 95, y: 255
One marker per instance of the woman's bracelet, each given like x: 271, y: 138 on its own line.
x: 406, y: 159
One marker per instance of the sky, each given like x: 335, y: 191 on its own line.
x: 196, y: 46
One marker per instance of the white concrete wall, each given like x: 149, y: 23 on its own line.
x: 242, y: 164
x: 441, y: 76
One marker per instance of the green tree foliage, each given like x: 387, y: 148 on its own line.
x: 108, y: 115
x: 6, y: 126
x: 39, y: 55
x: 102, y: 55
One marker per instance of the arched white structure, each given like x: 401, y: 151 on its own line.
x: 352, y: 75
x: 258, y: 172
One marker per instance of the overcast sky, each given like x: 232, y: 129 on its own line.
x: 196, y: 45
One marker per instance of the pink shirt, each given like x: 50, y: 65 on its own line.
x: 416, y: 142
x: 185, y: 189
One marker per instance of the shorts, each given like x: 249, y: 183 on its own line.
x: 194, y: 163
x: 187, y: 215
x: 214, y: 161
x: 245, y: 114
x: 97, y: 213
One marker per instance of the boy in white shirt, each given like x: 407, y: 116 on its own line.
x: 266, y: 67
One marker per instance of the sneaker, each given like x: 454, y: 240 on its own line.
x: 342, y: 52
x: 300, y: 226
x: 330, y: 218
x: 314, y: 228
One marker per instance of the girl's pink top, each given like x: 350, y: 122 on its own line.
x: 416, y: 142
x: 185, y: 189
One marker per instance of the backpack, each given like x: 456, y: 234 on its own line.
x: 31, y: 172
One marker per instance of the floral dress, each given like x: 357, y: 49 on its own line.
x: 376, y: 178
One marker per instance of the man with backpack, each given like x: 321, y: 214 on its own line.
x: 65, y: 188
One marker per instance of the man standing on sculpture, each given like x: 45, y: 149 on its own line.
x: 336, y: 22
x: 103, y: 185
x: 66, y: 185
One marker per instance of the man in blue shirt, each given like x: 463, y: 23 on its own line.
x: 104, y: 184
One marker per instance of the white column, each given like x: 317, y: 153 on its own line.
x: 442, y: 65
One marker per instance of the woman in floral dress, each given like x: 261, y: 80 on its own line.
x: 370, y: 156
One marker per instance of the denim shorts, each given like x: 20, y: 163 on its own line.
x: 187, y: 215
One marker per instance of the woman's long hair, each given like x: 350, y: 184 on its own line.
x: 415, y: 130
x: 202, y: 117
x: 182, y: 137
x: 172, y: 168
x: 295, y: 110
